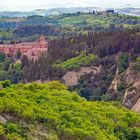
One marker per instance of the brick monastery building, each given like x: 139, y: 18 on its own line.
x: 32, y: 49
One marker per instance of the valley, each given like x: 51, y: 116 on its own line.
x: 70, y: 76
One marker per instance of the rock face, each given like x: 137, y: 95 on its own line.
x: 114, y: 83
x: 71, y: 77
x: 136, y: 107
x: 131, y: 76
x: 38, y: 133
x: 131, y: 95
x: 2, y: 120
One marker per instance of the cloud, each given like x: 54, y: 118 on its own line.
x: 44, y: 4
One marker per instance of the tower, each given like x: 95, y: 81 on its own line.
x: 42, y: 41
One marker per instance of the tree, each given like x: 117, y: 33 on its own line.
x: 3, y: 75
x: 122, y: 61
x: 2, y: 57
x: 25, y: 61
x: 18, y: 55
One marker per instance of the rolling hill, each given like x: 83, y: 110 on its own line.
x: 58, y: 11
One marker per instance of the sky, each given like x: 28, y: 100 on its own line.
x: 28, y: 5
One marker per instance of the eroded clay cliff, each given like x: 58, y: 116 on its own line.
x: 71, y: 77
x: 131, y: 94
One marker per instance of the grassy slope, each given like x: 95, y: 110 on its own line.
x: 76, y: 62
x: 63, y: 115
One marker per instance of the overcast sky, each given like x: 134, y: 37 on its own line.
x: 27, y: 5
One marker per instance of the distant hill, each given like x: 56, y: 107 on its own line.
x: 46, y: 12
x: 16, y: 14
x: 129, y: 11
x: 68, y: 24
x: 57, y: 11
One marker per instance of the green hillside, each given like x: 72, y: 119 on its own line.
x: 76, y: 62
x: 51, y: 112
x: 29, y: 28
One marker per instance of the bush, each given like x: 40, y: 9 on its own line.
x: 122, y: 62
x: 1, y: 130
x: 6, y: 83
x: 120, y: 87
x: 3, y: 75
x: 11, y: 128
x: 136, y: 64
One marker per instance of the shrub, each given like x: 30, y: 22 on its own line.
x: 1, y: 130
x: 136, y: 64
x: 11, y: 128
x: 3, y: 75
x: 120, y: 87
x: 6, y: 83
x: 122, y: 61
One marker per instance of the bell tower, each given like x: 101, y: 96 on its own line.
x: 42, y: 41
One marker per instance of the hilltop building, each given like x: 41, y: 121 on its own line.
x: 30, y: 49
x: 104, y: 13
